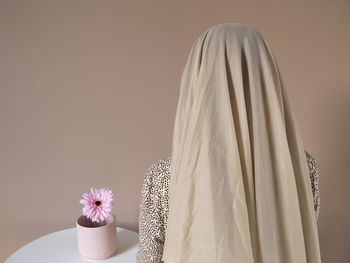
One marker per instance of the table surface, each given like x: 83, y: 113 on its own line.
x: 62, y: 247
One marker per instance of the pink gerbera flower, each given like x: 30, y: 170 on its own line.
x: 98, y: 204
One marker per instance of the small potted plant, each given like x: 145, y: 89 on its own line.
x: 96, y: 228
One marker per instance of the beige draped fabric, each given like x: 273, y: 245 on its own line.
x: 240, y: 188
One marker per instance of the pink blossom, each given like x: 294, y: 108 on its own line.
x: 98, y: 204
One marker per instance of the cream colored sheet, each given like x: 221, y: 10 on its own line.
x: 240, y: 189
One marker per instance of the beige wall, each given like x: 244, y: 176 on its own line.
x: 88, y: 93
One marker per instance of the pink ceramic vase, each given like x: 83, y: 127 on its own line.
x: 97, y: 240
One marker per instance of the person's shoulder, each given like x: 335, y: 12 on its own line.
x: 161, y: 166
x: 311, y: 161
x: 157, y: 176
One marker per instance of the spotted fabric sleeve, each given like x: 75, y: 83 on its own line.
x: 314, y: 178
x: 153, y: 212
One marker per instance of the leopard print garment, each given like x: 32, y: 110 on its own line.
x: 154, y: 207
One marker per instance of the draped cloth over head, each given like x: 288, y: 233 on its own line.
x: 240, y: 189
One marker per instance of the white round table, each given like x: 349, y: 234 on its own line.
x: 62, y: 247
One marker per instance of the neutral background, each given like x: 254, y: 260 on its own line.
x: 89, y: 89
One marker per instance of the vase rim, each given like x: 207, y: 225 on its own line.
x: 112, y: 216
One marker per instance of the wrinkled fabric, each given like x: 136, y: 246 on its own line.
x: 240, y: 187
